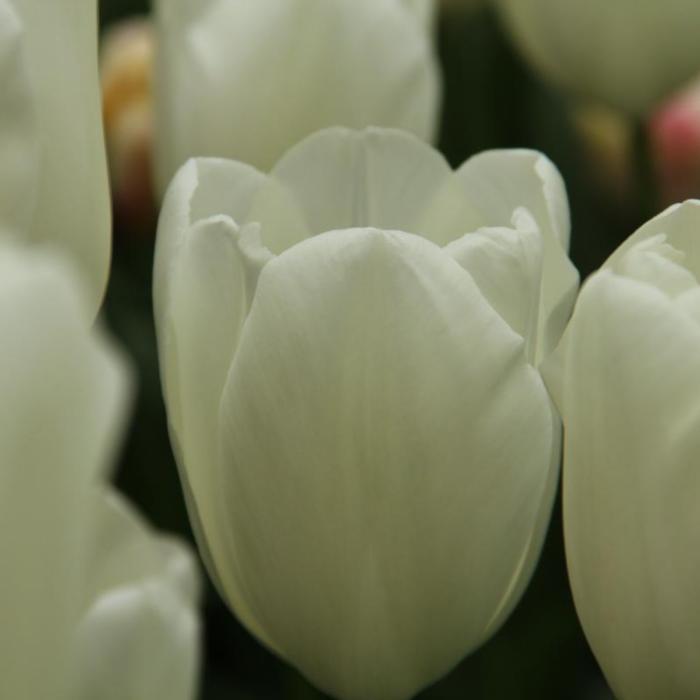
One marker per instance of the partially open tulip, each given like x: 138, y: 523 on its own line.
x: 627, y: 382
x: 247, y: 80
x: 629, y: 54
x: 53, y: 175
x: 93, y: 605
x: 349, y: 350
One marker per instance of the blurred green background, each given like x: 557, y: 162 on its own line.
x: 491, y: 100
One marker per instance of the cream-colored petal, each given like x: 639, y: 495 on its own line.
x: 61, y: 399
x: 497, y: 183
x: 247, y: 80
x: 139, y: 637
x: 340, y: 178
x: 386, y: 451
x: 631, y: 484
x: 609, y: 51
x: 210, y: 284
x: 126, y: 551
x: 18, y: 134
x: 202, y: 188
x: 138, y: 642
x: 679, y: 224
x: 71, y: 208
x: 506, y: 264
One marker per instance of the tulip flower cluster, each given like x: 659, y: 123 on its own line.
x: 370, y: 362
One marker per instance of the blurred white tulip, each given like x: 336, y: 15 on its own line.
x: 53, y: 176
x: 349, y: 351
x: 629, y: 54
x: 247, y: 80
x: 85, y: 585
x: 626, y: 379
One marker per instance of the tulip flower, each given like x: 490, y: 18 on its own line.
x: 349, y: 350
x: 626, y: 380
x: 92, y: 603
x: 628, y: 54
x: 248, y: 80
x: 53, y: 176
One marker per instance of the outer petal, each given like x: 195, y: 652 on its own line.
x: 386, y: 450
x: 497, y: 183
x: 18, y: 138
x: 679, y: 223
x: 204, y: 279
x: 631, y: 484
x: 72, y: 211
x: 339, y: 178
x: 609, y: 51
x: 506, y: 264
x: 140, y: 636
x: 202, y: 188
x: 62, y: 392
x: 247, y: 80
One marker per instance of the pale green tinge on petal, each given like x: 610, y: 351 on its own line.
x: 139, y: 638
x: 138, y: 642
x: 631, y: 484
x: 18, y: 137
x: 63, y: 393
x: 655, y: 262
x: 247, y: 80
x: 386, y: 455
x: 71, y: 208
x: 506, y: 264
x: 627, y: 53
x: 210, y: 286
x: 424, y: 10
x: 202, y: 188
x: 340, y: 178
x: 497, y: 183
x: 679, y: 224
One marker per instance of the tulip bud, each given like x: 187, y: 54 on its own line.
x: 626, y: 379
x: 367, y: 448
x: 674, y: 134
x: 247, y: 80
x: 126, y: 72
x: 85, y: 581
x: 53, y: 175
x: 627, y: 54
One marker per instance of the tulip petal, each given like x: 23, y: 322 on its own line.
x: 506, y: 264
x: 499, y: 182
x: 211, y: 283
x: 609, y: 51
x: 63, y: 393
x: 18, y: 137
x: 72, y: 209
x: 202, y: 188
x: 679, y: 225
x: 140, y: 636
x: 247, y: 80
x: 631, y: 484
x: 386, y: 451
x: 339, y: 178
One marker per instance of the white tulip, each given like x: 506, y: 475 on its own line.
x: 627, y: 53
x: 348, y: 348
x: 53, y: 176
x: 627, y: 382
x: 85, y: 585
x: 250, y: 78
